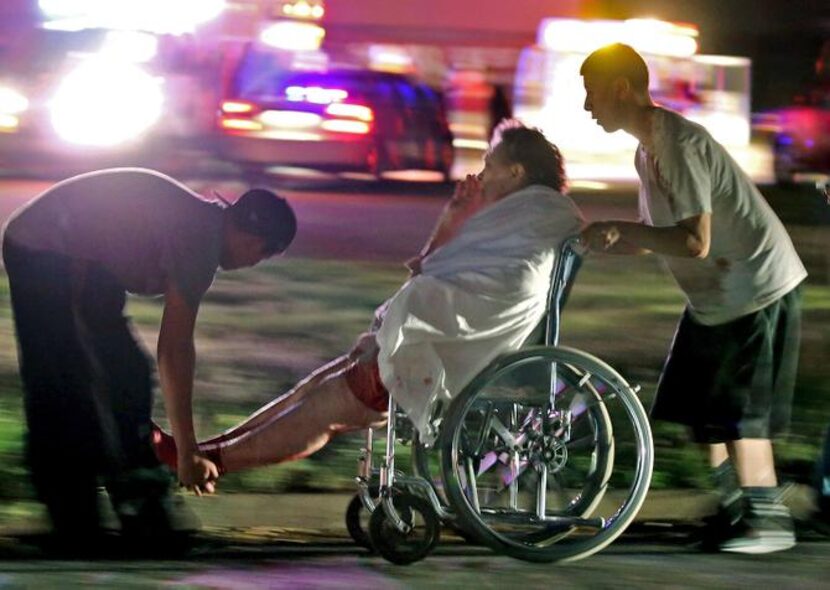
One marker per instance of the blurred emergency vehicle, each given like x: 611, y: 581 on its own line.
x: 548, y: 90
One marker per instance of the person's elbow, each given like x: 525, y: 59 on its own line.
x: 698, y: 236
x: 697, y: 246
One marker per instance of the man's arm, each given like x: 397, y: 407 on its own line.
x: 176, y: 362
x: 689, y: 238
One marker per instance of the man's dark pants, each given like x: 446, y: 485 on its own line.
x: 87, y: 383
x: 823, y: 477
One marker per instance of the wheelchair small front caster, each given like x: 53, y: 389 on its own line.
x: 401, y: 547
x: 357, y: 520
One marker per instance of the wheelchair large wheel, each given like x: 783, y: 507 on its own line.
x: 547, y: 455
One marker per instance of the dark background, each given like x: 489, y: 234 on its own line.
x: 782, y: 37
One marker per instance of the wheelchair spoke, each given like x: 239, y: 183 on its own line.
x: 515, y: 471
x: 542, y: 492
x: 485, y: 430
x: 582, y: 443
x: 471, y: 484
x: 502, y: 432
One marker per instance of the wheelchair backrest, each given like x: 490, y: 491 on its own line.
x: 565, y: 268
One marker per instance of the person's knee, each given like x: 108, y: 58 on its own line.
x: 352, y: 413
x: 364, y: 348
x: 365, y: 416
x: 370, y: 418
x: 361, y: 420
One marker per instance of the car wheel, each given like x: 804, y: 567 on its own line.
x: 377, y: 161
x: 447, y: 158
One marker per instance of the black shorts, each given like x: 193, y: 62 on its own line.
x: 733, y: 380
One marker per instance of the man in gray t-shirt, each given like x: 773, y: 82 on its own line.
x: 731, y: 371
x: 71, y: 255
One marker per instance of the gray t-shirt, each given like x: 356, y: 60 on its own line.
x: 751, y: 261
x: 143, y: 227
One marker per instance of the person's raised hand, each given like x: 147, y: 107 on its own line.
x: 467, y: 198
x: 468, y: 194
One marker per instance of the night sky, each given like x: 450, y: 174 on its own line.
x: 782, y: 37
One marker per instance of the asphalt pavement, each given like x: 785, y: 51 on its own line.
x: 300, y: 541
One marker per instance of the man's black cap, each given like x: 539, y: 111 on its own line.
x: 265, y: 214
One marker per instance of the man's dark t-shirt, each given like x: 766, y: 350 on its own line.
x: 143, y: 227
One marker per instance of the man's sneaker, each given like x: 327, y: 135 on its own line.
x: 766, y: 528
x: 154, y: 518
x: 721, y: 525
x: 716, y: 528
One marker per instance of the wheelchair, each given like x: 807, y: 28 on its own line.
x: 545, y: 456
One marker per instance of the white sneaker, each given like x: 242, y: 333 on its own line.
x: 765, y: 529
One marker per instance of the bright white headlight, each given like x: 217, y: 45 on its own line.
x: 106, y: 102
x: 12, y: 102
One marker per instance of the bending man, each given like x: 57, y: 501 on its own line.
x: 71, y: 255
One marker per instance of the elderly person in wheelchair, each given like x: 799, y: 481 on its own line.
x: 477, y: 290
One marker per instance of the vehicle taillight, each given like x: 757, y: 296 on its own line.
x: 348, y: 118
x: 346, y: 126
x: 236, y: 107
x: 236, y: 115
x: 352, y: 111
x: 241, y: 124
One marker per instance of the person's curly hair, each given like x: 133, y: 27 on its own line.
x: 542, y: 160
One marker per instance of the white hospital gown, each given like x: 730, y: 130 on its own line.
x: 478, y: 296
